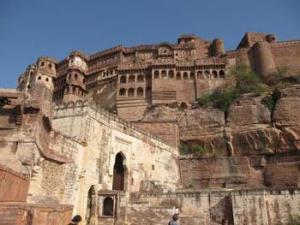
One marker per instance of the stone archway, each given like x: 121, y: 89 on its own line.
x: 119, y: 172
x: 91, y: 205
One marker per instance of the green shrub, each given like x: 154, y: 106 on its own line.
x: 220, y: 99
x: 183, y: 149
x: 247, y: 81
x: 195, y: 149
x: 199, y: 149
x: 277, y: 77
x: 269, y: 102
x: 205, y: 99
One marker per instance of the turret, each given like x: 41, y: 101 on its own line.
x: 263, y: 58
x: 40, y: 85
x: 217, y: 47
x: 271, y: 38
x: 25, y: 78
x: 75, y: 79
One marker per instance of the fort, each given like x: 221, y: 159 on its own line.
x: 100, y: 136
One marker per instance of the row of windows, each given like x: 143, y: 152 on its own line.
x: 74, y: 90
x: 131, y: 92
x: 132, y: 78
x: 74, y: 76
x: 43, y: 64
x: 201, y: 74
x: 47, y: 79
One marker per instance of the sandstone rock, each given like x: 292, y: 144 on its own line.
x: 286, y: 115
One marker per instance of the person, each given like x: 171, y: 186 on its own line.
x: 174, y: 220
x: 76, y: 220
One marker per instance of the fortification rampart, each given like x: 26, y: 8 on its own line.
x: 81, y: 109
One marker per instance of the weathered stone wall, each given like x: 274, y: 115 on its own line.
x: 149, y: 162
x: 286, y: 55
x: 249, y: 207
x: 280, y: 171
x: 167, y: 131
x: 57, y: 182
x: 13, y: 186
x: 33, y: 214
x: 225, y: 172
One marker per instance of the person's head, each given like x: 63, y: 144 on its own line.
x: 175, y: 216
x: 76, y: 219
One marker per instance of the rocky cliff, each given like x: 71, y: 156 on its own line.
x: 254, y: 144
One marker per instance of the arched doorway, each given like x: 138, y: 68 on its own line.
x: 90, y: 211
x: 119, y: 172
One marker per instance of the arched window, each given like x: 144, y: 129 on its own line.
x: 178, y: 76
x: 42, y: 63
x: 171, y: 74
x: 185, y: 76
x: 156, y: 74
x: 192, y: 75
x: 215, y: 74
x: 123, y: 79
x: 140, y: 78
x: 199, y: 74
x: 119, y: 172
x: 50, y: 66
x: 76, y: 75
x: 131, y: 78
x: 130, y: 92
x: 39, y: 77
x: 108, y: 207
x: 222, y: 74
x: 47, y: 79
x: 122, y: 92
x: 164, y: 74
x: 140, y: 92
x: 206, y: 73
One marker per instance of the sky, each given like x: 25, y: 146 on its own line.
x: 33, y: 28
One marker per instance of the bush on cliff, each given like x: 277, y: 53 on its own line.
x: 220, y: 99
x: 184, y: 149
x: 246, y: 81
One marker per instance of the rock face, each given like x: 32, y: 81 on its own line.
x: 249, y: 146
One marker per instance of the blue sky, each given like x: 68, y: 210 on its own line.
x: 32, y: 28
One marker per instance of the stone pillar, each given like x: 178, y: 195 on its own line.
x: 263, y: 58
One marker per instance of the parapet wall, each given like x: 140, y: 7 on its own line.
x: 80, y: 109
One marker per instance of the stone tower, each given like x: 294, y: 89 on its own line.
x: 75, y: 79
x: 40, y: 84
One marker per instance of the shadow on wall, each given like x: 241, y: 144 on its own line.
x: 222, y: 213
